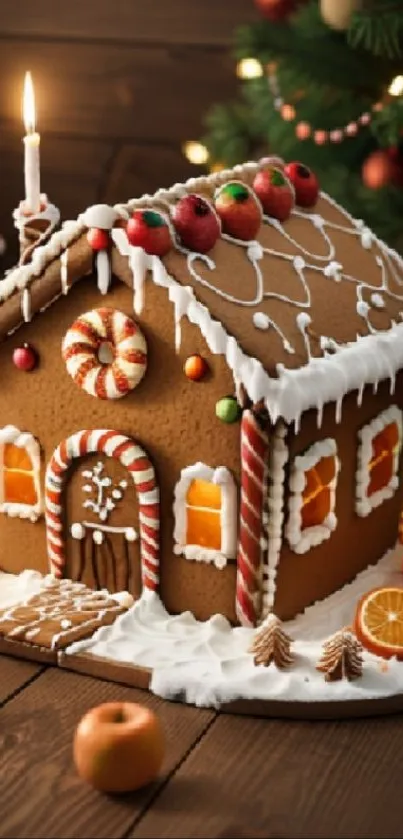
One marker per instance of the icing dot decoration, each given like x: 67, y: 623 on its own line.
x: 77, y: 530
x: 149, y: 230
x: 227, y: 409
x: 239, y: 209
x: 195, y: 367
x: 261, y: 320
x: 98, y: 239
x: 25, y: 358
x: 105, y: 353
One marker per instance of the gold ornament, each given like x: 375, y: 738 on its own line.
x: 337, y: 13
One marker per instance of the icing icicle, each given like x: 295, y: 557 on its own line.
x: 104, y: 274
x: 64, y: 272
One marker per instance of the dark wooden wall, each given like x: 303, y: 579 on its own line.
x: 119, y: 84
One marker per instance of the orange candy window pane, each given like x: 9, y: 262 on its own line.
x: 19, y: 487
x: 204, y: 528
x: 203, y: 512
x: 204, y: 494
x: 14, y: 457
x: 316, y: 497
x: 381, y: 465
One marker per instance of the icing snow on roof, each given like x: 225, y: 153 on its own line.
x: 307, y: 312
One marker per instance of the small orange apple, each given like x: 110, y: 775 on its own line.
x: 119, y: 746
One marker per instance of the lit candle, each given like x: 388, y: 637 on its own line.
x: 31, y: 156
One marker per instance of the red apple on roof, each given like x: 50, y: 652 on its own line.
x: 149, y: 230
x: 196, y: 223
x: 239, y: 210
x: 275, y: 193
x: 305, y: 183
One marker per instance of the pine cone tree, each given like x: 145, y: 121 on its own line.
x: 272, y: 644
x: 341, y: 657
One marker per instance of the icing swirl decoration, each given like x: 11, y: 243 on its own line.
x: 105, y: 353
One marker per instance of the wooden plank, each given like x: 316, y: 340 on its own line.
x: 14, y: 675
x: 40, y: 791
x: 251, y: 777
x: 170, y: 21
x: 72, y: 173
x: 144, y: 169
x: 108, y: 91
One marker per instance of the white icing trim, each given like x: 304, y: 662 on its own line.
x: 301, y: 539
x: 201, y: 554
x: 365, y: 504
x: 24, y: 440
x: 228, y: 514
x: 278, y: 457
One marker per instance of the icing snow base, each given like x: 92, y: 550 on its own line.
x: 208, y: 664
x: 19, y: 588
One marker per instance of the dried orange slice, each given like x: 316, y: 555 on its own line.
x: 379, y: 622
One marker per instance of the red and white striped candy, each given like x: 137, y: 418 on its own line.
x: 254, y: 449
x: 134, y: 458
x: 124, y: 339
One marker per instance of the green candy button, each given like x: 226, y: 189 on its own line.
x: 227, y: 409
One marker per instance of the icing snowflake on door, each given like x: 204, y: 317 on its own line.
x: 106, y: 495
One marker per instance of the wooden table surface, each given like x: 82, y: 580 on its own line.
x: 223, y: 775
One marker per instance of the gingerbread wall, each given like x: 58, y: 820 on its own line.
x: 357, y: 541
x: 172, y: 417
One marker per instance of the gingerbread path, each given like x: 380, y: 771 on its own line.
x: 203, y: 663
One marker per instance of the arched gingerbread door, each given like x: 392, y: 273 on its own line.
x: 102, y: 512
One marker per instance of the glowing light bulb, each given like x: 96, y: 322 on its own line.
x: 195, y: 152
x: 249, y: 68
x: 396, y: 86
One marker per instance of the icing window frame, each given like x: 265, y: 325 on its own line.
x: 364, y: 503
x: 227, y: 512
x: 10, y: 435
x: 302, y: 539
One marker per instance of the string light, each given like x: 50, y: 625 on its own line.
x: 396, y: 86
x: 249, y: 68
x: 195, y: 152
x: 304, y: 130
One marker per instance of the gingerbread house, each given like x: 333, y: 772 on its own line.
x: 202, y: 395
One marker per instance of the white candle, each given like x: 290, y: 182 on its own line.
x: 31, y: 150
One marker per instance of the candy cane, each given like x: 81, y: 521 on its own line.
x: 134, y: 458
x: 254, y: 448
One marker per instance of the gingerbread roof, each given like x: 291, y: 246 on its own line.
x: 308, y: 311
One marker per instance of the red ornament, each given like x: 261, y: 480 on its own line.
x: 196, y: 223
x: 195, y: 367
x: 382, y: 168
x: 98, y: 239
x: 149, y: 230
x: 274, y: 192
x: 305, y: 183
x: 25, y: 358
x: 276, y: 9
x: 239, y: 210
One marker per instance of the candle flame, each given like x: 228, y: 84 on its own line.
x: 28, y: 105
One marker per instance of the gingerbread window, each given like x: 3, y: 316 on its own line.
x: 312, y: 501
x: 380, y: 444
x: 205, y: 515
x: 19, y: 474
